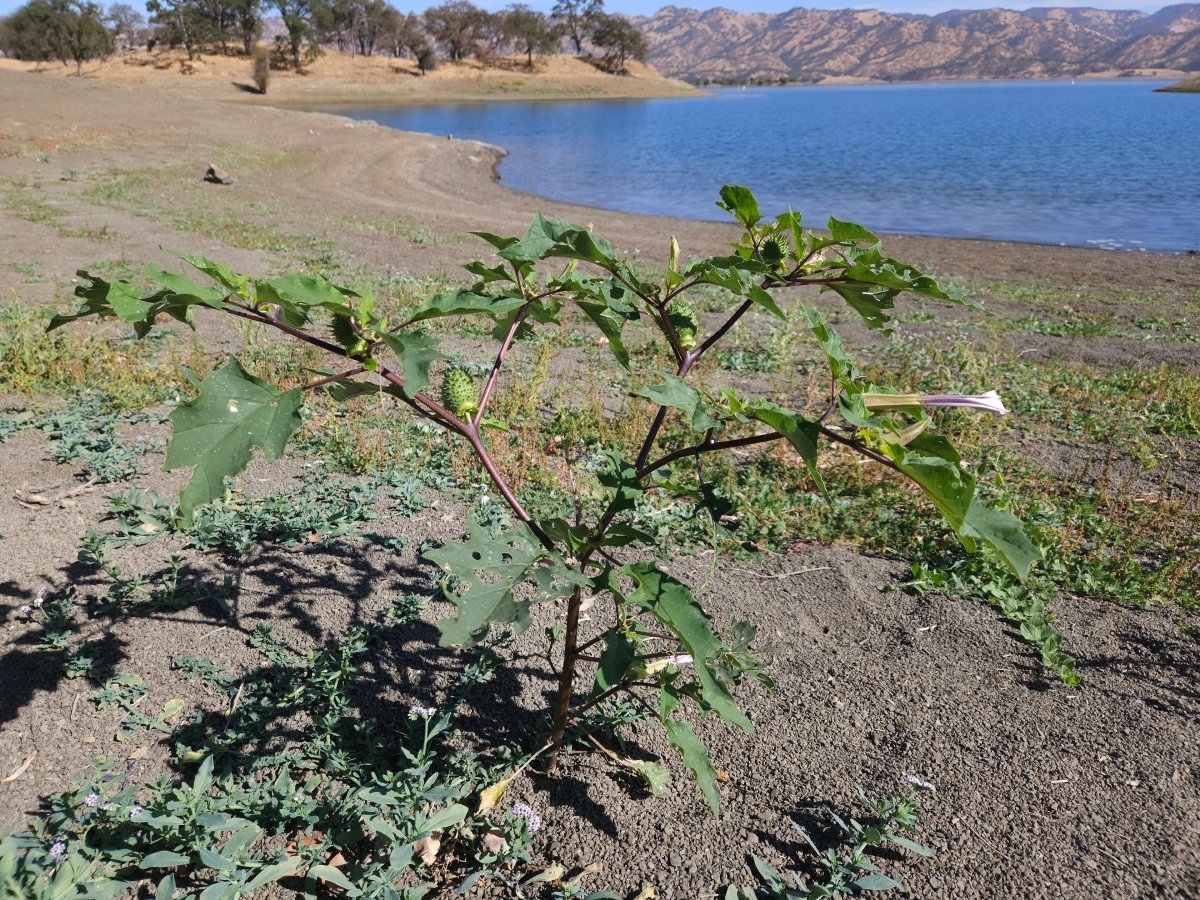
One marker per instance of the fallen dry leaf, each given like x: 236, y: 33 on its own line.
x: 20, y: 770
x: 427, y: 847
x: 493, y: 840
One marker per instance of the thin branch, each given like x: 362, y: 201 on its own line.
x: 707, y: 447
x: 321, y: 382
x: 495, y: 373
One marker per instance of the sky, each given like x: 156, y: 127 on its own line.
x: 648, y: 7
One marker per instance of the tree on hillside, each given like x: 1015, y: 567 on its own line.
x: 530, y: 31
x: 493, y: 37
x: 578, y: 19
x: 181, y: 23
x: 299, y: 20
x: 66, y: 30
x: 126, y: 25
x: 455, y: 25
x: 402, y: 34
x: 620, y: 40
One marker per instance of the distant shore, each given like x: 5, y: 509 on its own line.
x: 112, y: 169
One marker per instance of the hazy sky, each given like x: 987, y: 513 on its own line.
x: 646, y: 7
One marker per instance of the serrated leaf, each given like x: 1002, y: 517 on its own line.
x: 796, y: 430
x: 840, y: 364
x: 621, y: 478
x: 618, y: 655
x: 1005, y: 534
x: 740, y: 202
x: 693, y: 753
x: 676, y: 393
x: 217, y: 431
x: 610, y: 317
x: 464, y: 302
x: 415, y: 352
x: 849, y: 233
x: 301, y: 290
x: 655, y: 775
x: 220, y: 273
x: 488, y: 569
x: 672, y: 603
x: 164, y: 859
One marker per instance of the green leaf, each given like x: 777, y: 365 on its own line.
x: 164, y: 859
x: 220, y: 273
x: 166, y: 888
x: 672, y: 603
x: 415, y: 352
x: 215, y: 432
x: 695, y: 755
x: 740, y: 202
x: 655, y: 775
x: 911, y: 846
x: 796, y: 430
x: 464, y: 302
x: 876, y: 881
x: 539, y: 237
x: 621, y: 478
x: 840, y: 364
x: 443, y: 818
x: 1004, y: 533
x: 203, y: 780
x: 488, y: 569
x: 618, y: 655
x: 676, y: 393
x: 610, y: 317
x: 849, y: 233
x: 214, y: 860
x: 274, y: 872
x: 334, y: 876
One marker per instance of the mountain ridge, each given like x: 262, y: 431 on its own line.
x: 810, y: 45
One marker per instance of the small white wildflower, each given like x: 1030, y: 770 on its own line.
x: 919, y: 783
x: 91, y: 799
x: 135, y: 811
x: 58, y: 850
x: 41, y: 597
x: 26, y: 609
x: 421, y: 712
x: 525, y: 811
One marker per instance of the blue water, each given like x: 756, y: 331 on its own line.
x: 1093, y: 163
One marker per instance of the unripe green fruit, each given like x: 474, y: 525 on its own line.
x: 686, y: 324
x: 774, y: 250
x: 458, y: 392
x: 344, y: 334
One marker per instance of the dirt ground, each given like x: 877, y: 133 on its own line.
x: 1043, y: 791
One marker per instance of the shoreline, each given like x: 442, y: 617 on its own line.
x: 381, y: 199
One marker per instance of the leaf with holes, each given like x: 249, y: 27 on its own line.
x: 217, y: 431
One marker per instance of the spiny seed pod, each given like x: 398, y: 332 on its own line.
x: 458, y: 392
x: 686, y: 324
x: 774, y: 251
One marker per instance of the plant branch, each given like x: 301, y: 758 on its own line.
x: 495, y: 373
x: 707, y: 446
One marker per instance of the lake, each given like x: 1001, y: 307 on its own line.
x: 1103, y: 163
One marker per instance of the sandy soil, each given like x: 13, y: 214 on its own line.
x: 1044, y: 792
